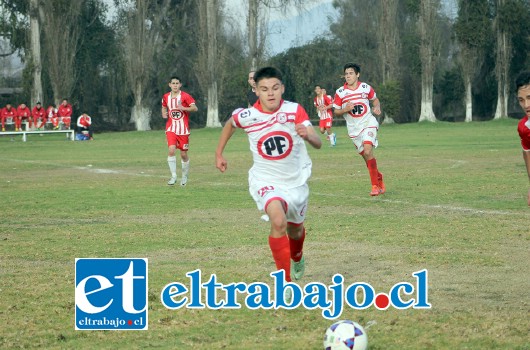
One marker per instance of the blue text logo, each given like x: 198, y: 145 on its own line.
x: 111, y: 294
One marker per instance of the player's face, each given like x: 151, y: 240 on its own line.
x: 523, y: 95
x: 175, y: 85
x: 251, y: 81
x: 318, y: 90
x: 350, y: 76
x: 270, y: 91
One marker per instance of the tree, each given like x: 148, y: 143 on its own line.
x: 141, y: 41
x: 209, y: 58
x: 35, y: 52
x: 62, y: 38
x: 428, y: 44
x: 389, y: 48
x: 472, y: 32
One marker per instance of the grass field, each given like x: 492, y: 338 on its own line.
x: 455, y: 205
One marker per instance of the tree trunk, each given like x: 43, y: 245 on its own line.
x: 140, y: 114
x: 468, y: 98
x: 253, y: 33
x: 212, y: 117
x: 502, y: 68
x: 36, y: 87
x: 427, y: 35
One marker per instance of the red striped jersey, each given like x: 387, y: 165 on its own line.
x: 177, y: 120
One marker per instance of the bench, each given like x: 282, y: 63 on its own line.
x: 69, y: 133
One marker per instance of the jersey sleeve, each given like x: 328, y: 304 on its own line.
x: 164, y: 101
x: 189, y: 100
x: 235, y: 117
x: 524, y: 133
x: 301, y: 116
x: 337, y: 101
x: 371, y: 94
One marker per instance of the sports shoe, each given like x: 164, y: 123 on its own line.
x: 184, y: 181
x: 288, y: 296
x: 172, y: 181
x: 333, y: 140
x: 298, y: 268
x: 376, y: 191
x: 3, y: 129
x: 265, y: 218
x: 382, y: 188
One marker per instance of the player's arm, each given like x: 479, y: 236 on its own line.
x: 526, y: 157
x: 340, y: 111
x: 191, y: 108
x: 226, y: 134
x: 307, y: 132
x: 164, y: 112
x: 376, y: 106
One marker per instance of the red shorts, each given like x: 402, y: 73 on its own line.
x: 325, y: 123
x: 182, y: 142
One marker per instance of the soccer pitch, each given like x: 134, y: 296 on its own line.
x: 455, y: 205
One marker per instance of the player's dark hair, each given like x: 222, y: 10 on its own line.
x: 174, y: 77
x: 355, y: 67
x: 522, y: 80
x: 267, y: 73
x: 318, y: 85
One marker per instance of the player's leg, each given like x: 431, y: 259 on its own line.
x: 171, y: 158
x: 371, y: 164
x: 278, y: 240
x: 185, y: 160
x: 297, y: 207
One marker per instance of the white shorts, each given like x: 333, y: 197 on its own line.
x: 295, y: 199
x: 368, y: 134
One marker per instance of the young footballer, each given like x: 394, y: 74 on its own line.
x: 352, y: 101
x: 323, y: 104
x: 277, y: 131
x: 176, y: 106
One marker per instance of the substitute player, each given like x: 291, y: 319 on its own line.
x: 39, y: 116
x: 276, y: 131
x: 323, y: 104
x: 8, y: 114
x: 176, y: 106
x: 352, y: 101
x: 522, y: 84
x: 23, y: 115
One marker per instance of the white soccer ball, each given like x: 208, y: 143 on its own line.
x: 344, y: 335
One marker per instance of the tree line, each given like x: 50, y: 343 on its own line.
x: 113, y: 60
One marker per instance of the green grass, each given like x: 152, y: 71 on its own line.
x: 455, y: 205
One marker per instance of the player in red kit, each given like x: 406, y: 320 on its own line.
x: 65, y: 113
x: 23, y: 114
x: 176, y: 106
x: 323, y: 104
x: 51, y: 113
x: 352, y: 101
x: 522, y: 84
x: 84, y: 123
x: 8, y: 114
x: 39, y: 116
x: 277, y: 132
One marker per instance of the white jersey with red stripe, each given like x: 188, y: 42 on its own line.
x: 324, y: 100
x: 177, y: 119
x: 280, y: 155
x: 360, y: 117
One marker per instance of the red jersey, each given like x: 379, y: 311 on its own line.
x: 84, y: 121
x: 38, y: 113
x: 23, y: 112
x: 8, y: 113
x: 524, y: 132
x: 64, y: 111
x: 323, y: 101
x: 177, y: 120
x: 51, y: 112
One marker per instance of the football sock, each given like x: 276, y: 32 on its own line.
x: 185, y: 168
x: 172, y: 162
x: 281, y: 254
x: 372, y: 170
x: 296, y: 247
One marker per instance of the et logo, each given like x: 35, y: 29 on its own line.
x: 111, y: 294
x: 275, y: 145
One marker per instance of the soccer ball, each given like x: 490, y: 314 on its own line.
x: 344, y: 335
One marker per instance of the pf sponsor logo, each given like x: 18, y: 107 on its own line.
x: 111, y: 294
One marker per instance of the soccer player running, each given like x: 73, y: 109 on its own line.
x: 323, y: 105
x: 522, y: 84
x: 352, y: 101
x: 276, y: 131
x: 176, y: 106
